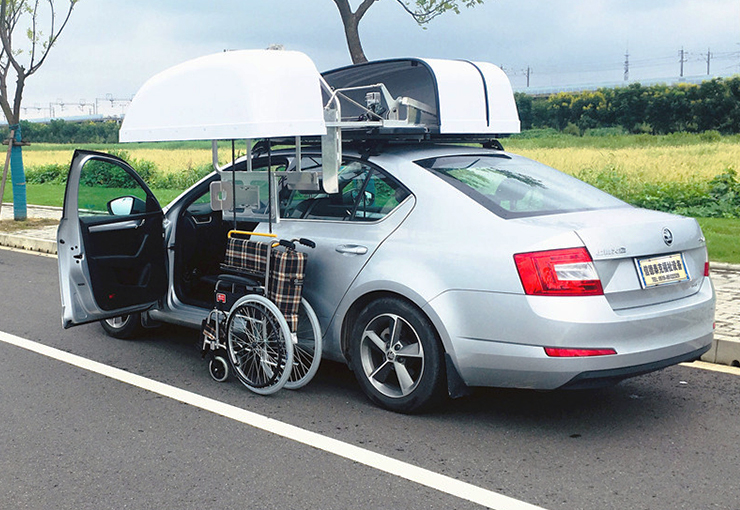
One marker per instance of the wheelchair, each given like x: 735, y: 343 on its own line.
x: 261, y: 328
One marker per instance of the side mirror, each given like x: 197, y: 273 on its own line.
x: 125, y: 206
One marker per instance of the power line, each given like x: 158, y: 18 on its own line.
x: 630, y: 63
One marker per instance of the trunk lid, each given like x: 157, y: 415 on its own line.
x: 639, y: 253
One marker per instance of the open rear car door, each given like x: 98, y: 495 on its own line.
x: 110, y: 241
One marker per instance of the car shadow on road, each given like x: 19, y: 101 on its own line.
x: 660, y: 399
x: 650, y: 400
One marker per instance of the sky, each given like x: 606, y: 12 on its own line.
x: 111, y: 47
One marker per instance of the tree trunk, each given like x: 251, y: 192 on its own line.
x: 18, y: 177
x: 17, y: 172
x: 351, y: 22
x: 353, y: 41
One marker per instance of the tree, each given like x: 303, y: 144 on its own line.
x: 423, y: 11
x: 20, y: 62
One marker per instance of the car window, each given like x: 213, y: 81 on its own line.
x: 514, y: 187
x: 106, y: 189
x: 365, y: 194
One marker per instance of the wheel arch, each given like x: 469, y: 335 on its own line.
x: 455, y: 385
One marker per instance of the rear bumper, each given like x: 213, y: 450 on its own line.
x: 599, y: 378
x: 498, y: 339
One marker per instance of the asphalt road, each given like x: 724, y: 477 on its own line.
x: 73, y: 438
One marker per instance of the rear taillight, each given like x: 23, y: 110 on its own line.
x: 557, y: 352
x: 706, y: 268
x: 568, y: 272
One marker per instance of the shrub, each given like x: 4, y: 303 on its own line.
x: 180, y: 180
x: 605, y: 131
x: 712, y: 136
x: 53, y: 173
x: 718, y: 198
x: 572, y: 129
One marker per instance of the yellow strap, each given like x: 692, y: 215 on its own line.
x: 246, y: 233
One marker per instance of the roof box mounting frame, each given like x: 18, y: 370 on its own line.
x: 447, y: 98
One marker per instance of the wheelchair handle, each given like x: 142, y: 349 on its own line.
x: 291, y: 244
x: 307, y: 242
x: 287, y: 244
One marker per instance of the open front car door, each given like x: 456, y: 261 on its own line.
x: 110, y: 241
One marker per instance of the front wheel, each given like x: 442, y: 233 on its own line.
x: 123, y: 326
x: 397, y: 356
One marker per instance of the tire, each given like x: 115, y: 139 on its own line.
x: 218, y: 368
x: 307, y: 345
x: 397, y: 357
x: 123, y: 326
x: 259, y: 344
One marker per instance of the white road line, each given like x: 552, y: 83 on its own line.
x: 380, y: 462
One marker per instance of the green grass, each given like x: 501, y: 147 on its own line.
x: 551, y: 139
x: 53, y: 194
x: 723, y: 238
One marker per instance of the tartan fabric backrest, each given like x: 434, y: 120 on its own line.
x: 245, y: 256
x: 287, y: 269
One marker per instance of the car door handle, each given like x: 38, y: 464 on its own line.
x: 351, y: 249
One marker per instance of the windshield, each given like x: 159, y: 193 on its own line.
x: 514, y: 187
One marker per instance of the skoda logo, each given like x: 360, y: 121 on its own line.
x: 667, y: 236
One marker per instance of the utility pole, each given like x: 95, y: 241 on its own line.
x: 529, y: 70
x: 627, y: 66
x: 682, y: 59
x: 709, y: 57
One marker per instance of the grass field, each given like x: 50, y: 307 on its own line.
x: 637, y: 159
x: 168, y: 157
x: 641, y: 164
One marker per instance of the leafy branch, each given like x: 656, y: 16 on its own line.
x: 11, y: 13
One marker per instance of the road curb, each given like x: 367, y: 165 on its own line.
x: 723, y: 266
x: 23, y: 242
x: 724, y: 351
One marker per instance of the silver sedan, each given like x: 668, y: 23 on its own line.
x: 437, y: 268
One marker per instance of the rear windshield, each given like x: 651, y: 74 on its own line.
x: 514, y: 187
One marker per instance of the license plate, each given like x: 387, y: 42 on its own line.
x: 662, y: 270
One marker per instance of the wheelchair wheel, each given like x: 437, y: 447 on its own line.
x: 259, y: 345
x: 306, y: 348
x: 218, y: 368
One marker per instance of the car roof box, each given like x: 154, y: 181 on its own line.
x: 231, y: 95
x: 439, y: 97
x: 257, y: 94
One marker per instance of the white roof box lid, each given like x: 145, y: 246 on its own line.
x: 463, y: 97
x: 244, y: 94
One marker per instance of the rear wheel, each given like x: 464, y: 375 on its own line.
x: 259, y: 344
x: 397, y: 356
x: 123, y: 326
x: 307, y: 346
